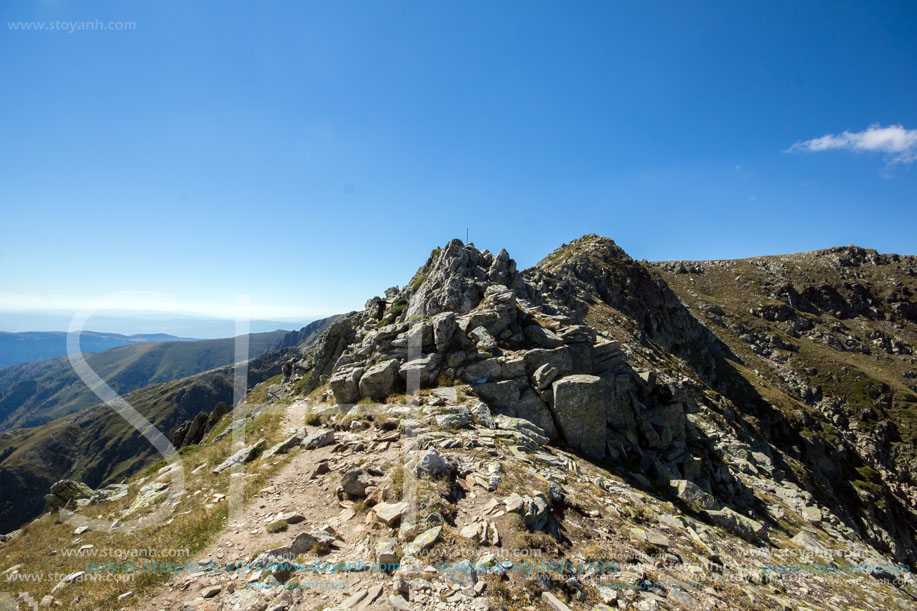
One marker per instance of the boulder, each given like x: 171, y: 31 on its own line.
x: 425, y: 368
x: 379, y: 380
x: 488, y: 369
x: 385, y: 552
x: 499, y: 396
x: 245, y: 455
x: 318, y: 439
x: 443, y: 330
x: 579, y: 403
x: 483, y: 340
x: 559, y: 358
x: 577, y: 334
x: 512, y: 368
x: 541, y: 337
x: 285, y: 446
x: 431, y: 463
x: 544, y: 375
x: 737, y: 524
x: 355, y: 482
x: 423, y: 542
x: 532, y: 408
x: 390, y: 513
x: 524, y: 431
x: 420, y: 334
x: 345, y: 382
x: 67, y: 490
x: 693, y: 495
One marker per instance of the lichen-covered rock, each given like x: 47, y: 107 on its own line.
x: 431, y: 463
x: 318, y: 439
x: 532, y: 408
x: 345, y: 384
x: 579, y: 403
x: 486, y: 370
x: 355, y: 482
x: 693, y: 495
x: 245, y: 455
x: 379, y: 380
x: 500, y: 397
x: 443, y: 330
x: 541, y: 337
x: 737, y: 524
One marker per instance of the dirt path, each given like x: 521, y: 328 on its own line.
x: 291, y: 490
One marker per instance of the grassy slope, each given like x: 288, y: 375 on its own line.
x: 196, y: 519
x: 872, y: 389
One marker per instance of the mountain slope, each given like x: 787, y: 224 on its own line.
x: 27, y: 347
x: 34, y: 393
x: 98, y: 447
x: 591, y: 431
x: 680, y: 402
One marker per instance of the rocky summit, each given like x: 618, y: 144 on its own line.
x: 594, y: 432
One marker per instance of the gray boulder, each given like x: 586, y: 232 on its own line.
x: 488, y: 369
x: 737, y: 524
x: 245, y: 455
x: 559, y: 358
x: 483, y: 340
x: 693, y: 495
x: 355, y: 482
x: 532, y: 408
x: 443, y: 330
x: 345, y: 384
x: 318, y: 439
x: 544, y: 375
x: 431, y: 463
x: 379, y: 380
x: 541, y: 337
x: 425, y: 368
x: 579, y: 402
x: 499, y: 396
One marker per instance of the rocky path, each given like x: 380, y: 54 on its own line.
x: 310, y: 501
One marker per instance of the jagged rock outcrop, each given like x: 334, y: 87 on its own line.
x: 520, y: 340
x: 193, y: 431
x: 599, y: 353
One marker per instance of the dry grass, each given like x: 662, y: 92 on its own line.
x: 47, y: 546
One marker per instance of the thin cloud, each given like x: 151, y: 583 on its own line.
x: 899, y: 145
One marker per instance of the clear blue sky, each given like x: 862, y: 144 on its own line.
x: 311, y: 155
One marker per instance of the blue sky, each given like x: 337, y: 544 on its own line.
x: 310, y: 155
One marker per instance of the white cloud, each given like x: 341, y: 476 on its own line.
x: 899, y: 145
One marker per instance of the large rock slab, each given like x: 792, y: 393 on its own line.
x: 487, y: 370
x: 443, y: 330
x: 579, y: 403
x: 541, y: 337
x: 345, y: 384
x: 559, y: 358
x: 693, y: 495
x: 379, y: 380
x: 499, y: 396
x: 318, y: 439
x: 532, y: 408
x: 425, y: 369
x: 390, y: 513
x: 245, y: 455
x: 737, y: 524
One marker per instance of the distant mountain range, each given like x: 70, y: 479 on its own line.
x: 129, y: 322
x: 34, y: 393
x: 30, y: 346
